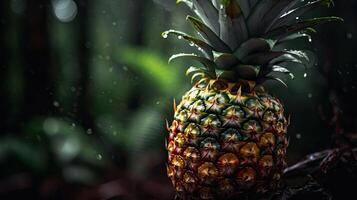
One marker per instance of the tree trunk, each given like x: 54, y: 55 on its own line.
x: 38, y: 69
x: 4, y: 105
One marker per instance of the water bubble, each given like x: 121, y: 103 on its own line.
x: 165, y: 35
x: 349, y: 35
x: 65, y: 10
x: 89, y: 131
x: 55, y: 104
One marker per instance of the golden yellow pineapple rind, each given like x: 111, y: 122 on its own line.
x: 211, y: 158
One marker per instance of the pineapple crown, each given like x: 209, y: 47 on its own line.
x: 239, y: 37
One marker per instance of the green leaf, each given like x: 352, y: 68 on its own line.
x: 151, y: 66
x: 247, y: 72
x: 194, y: 69
x: 290, y: 16
x: 210, y: 37
x: 255, y: 19
x: 205, y: 48
x: 261, y: 58
x: 262, y: 80
x: 284, y: 31
x: 226, y: 61
x: 254, y: 45
x: 245, y: 7
x: 233, y: 29
x: 227, y: 75
x: 275, y: 13
x: 206, y: 11
x: 210, y: 65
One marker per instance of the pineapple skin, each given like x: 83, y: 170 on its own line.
x: 226, y: 142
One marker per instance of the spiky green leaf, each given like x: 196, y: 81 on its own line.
x: 209, y: 36
x: 233, y: 29
x: 254, y: 45
x: 261, y: 58
x: 208, y: 64
x: 226, y: 61
x: 204, y: 47
x: 291, y: 16
x: 206, y: 11
x: 248, y: 72
x: 284, y: 31
x: 255, y: 19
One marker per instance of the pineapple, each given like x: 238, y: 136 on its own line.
x: 228, y: 137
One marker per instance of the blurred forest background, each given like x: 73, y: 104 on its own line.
x: 86, y: 88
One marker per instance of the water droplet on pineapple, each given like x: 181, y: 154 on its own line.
x: 179, y: 37
x: 297, y: 18
x: 310, y: 40
x: 89, y: 131
x: 199, y: 48
x: 99, y: 157
x: 305, y: 75
x: 165, y: 35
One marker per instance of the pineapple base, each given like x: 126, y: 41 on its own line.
x: 226, y: 141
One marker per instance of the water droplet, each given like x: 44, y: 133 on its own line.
x: 65, y: 10
x: 192, y: 44
x: 310, y: 40
x: 158, y: 102
x: 298, y: 136
x: 165, y: 35
x: 349, y: 35
x: 99, y: 157
x: 73, y: 125
x: 297, y: 18
x: 199, y: 48
x: 89, y: 131
x: 55, y: 104
x: 179, y: 37
x: 309, y: 95
x: 305, y: 75
x: 114, y: 23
